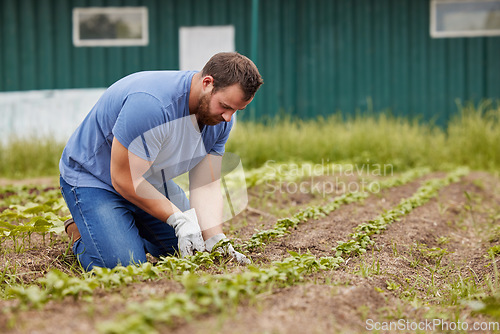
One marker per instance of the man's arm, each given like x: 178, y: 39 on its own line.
x: 206, y: 198
x: 127, y: 172
x: 205, y: 194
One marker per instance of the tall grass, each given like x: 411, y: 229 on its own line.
x: 24, y: 158
x: 474, y: 137
x: 471, y: 138
x: 366, y: 139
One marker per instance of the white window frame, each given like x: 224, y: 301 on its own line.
x: 143, y: 11
x: 464, y: 33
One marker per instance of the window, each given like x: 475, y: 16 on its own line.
x: 110, y: 26
x: 465, y: 18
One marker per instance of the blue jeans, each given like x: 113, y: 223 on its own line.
x: 114, y: 231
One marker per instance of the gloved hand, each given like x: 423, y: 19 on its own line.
x: 187, y: 231
x: 226, y: 249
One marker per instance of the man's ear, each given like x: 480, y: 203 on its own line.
x: 207, y: 83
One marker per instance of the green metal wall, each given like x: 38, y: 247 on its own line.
x: 38, y: 52
x: 321, y: 56
x: 316, y: 56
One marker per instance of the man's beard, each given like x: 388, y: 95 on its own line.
x: 203, y: 114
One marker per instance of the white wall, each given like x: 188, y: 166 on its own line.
x: 54, y: 113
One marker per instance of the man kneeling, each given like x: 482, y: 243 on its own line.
x: 146, y: 129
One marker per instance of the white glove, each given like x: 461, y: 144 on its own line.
x: 227, y: 249
x: 187, y: 231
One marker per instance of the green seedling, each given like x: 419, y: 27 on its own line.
x: 434, y: 254
x: 367, y: 270
x: 392, y: 286
x: 494, y: 251
x: 442, y: 240
x: 394, y: 249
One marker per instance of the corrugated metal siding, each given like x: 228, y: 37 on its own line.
x: 316, y: 56
x: 37, y: 51
x: 369, y: 54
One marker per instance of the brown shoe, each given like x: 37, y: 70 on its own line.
x: 72, y: 230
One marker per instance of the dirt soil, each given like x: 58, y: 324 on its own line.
x: 398, y: 278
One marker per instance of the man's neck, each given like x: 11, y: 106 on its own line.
x: 194, y: 94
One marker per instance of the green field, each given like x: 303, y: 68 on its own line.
x: 416, y: 244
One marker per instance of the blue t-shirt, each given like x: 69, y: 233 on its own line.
x: 148, y: 113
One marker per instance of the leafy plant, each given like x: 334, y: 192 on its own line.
x: 212, y: 293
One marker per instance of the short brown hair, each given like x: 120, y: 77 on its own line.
x: 229, y: 68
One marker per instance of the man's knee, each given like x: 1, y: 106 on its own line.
x: 123, y: 256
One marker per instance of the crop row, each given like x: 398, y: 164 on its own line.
x: 284, y: 225
x: 19, y: 194
x: 57, y: 285
x: 360, y: 239
x: 204, y: 293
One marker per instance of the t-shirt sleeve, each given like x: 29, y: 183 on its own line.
x: 220, y: 145
x: 141, y: 126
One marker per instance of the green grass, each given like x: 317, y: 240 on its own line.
x: 35, y: 157
x: 471, y: 138
x: 474, y: 137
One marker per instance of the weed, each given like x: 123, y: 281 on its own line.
x: 494, y: 251
x: 434, y: 254
x: 442, y: 240
x: 367, y: 270
x: 462, y: 288
x: 392, y: 286
x: 394, y: 249
x: 494, y: 234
